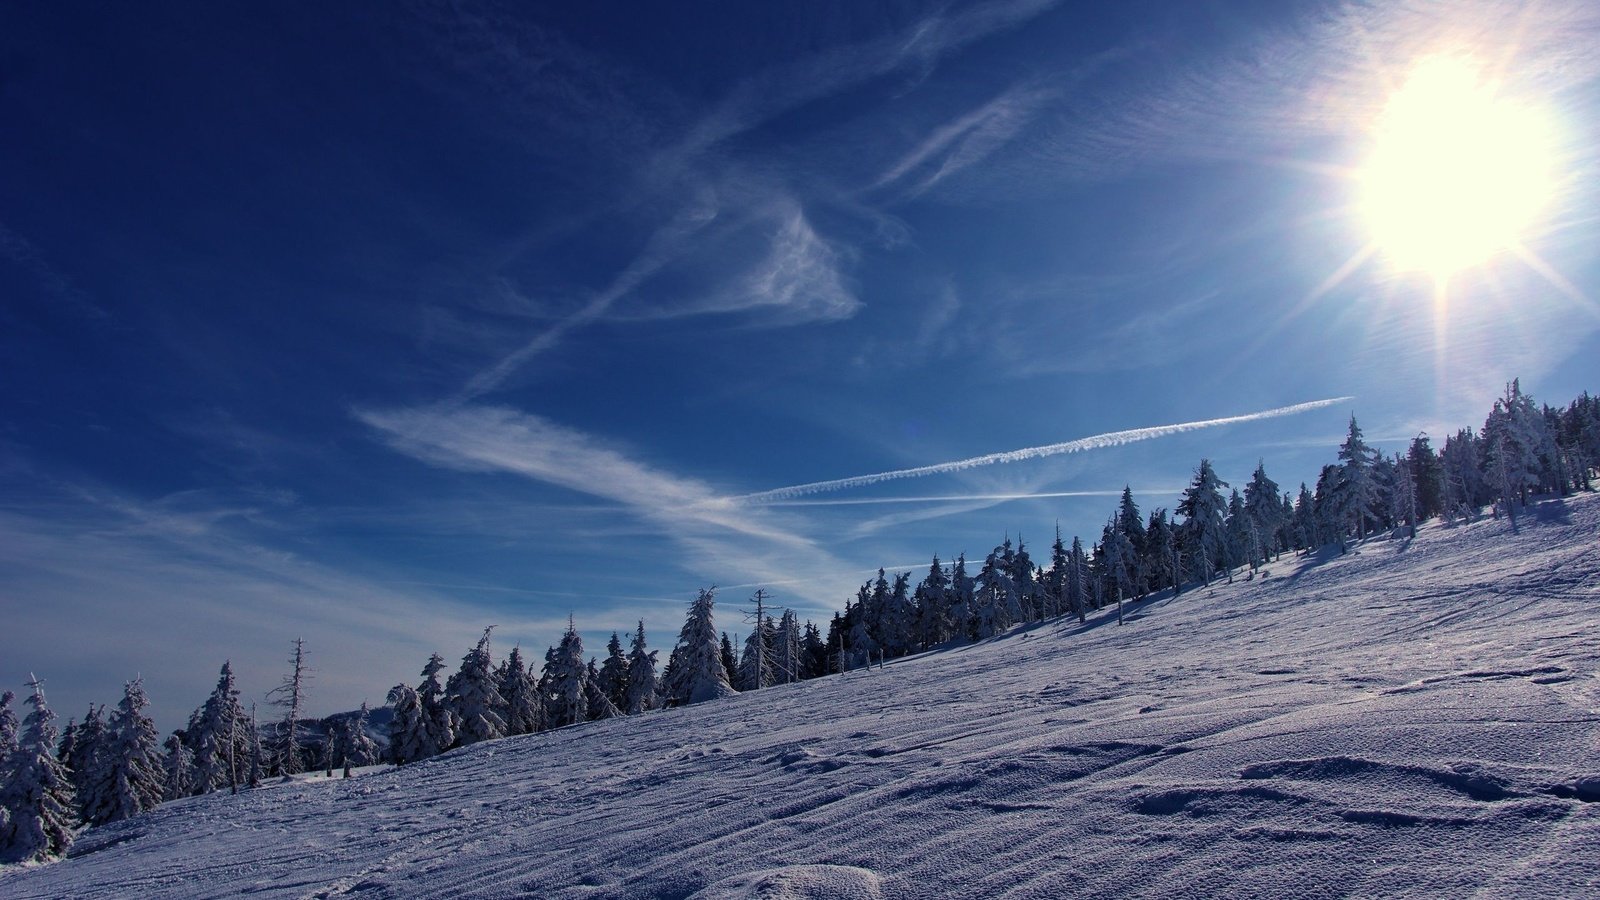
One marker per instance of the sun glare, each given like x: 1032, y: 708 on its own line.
x: 1457, y: 174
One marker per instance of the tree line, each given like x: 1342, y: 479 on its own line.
x: 111, y: 767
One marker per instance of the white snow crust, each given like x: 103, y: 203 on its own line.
x: 1415, y: 718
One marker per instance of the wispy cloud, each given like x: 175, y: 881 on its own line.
x: 966, y: 140
x: 718, y: 536
x: 1094, y: 442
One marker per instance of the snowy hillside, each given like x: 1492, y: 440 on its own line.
x: 1415, y: 718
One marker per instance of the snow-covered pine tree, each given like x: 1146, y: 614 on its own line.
x: 755, y: 665
x: 409, y: 740
x: 861, y: 645
x: 1238, y: 549
x: 730, y: 662
x: 257, y: 766
x: 565, y: 675
x: 1357, y: 488
x: 1160, y: 556
x: 994, y: 599
x: 177, y: 768
x: 1131, y: 527
x: 600, y: 705
x: 643, y: 685
x: 436, y: 708
x: 962, y: 596
x: 899, y: 626
x: 1204, y: 523
x: 932, y: 599
x: 474, y: 697
x: 217, y: 732
x: 786, y: 650
x: 129, y: 778
x: 1265, y: 508
x: 81, y: 748
x: 37, y: 797
x: 359, y: 747
x: 287, y: 756
x: 524, y: 708
x: 1077, y: 598
x: 8, y: 732
x: 697, y: 672
x: 814, y: 652
x: 614, y: 673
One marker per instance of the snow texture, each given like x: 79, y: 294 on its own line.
x: 1415, y: 718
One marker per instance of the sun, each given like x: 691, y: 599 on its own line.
x: 1456, y: 174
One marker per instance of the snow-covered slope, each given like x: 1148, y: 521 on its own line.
x: 1415, y: 718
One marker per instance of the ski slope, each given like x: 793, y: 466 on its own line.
x: 1415, y: 718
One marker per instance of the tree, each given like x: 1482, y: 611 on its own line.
x: 1204, y: 523
x: 178, y: 767
x: 1356, y: 491
x: 440, y: 718
x: 730, y: 662
x: 474, y: 697
x: 37, y: 797
x: 565, y: 676
x: 600, y: 705
x: 642, y: 682
x: 995, y: 597
x: 359, y: 747
x: 8, y: 731
x: 409, y: 740
x: 81, y: 748
x: 1264, y: 506
x: 216, y: 731
x: 697, y: 672
x: 524, y: 708
x: 129, y: 779
x: 786, y: 651
x: 755, y: 665
x: 290, y: 696
x: 614, y: 673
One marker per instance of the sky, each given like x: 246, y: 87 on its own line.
x: 379, y: 324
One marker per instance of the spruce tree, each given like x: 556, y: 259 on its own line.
x: 177, y: 767
x: 524, y: 708
x: 82, y: 747
x: 129, y: 779
x: 697, y: 672
x: 1357, y: 490
x: 37, y: 797
x: 599, y: 704
x: 614, y: 673
x: 436, y: 708
x: 218, y: 736
x: 642, y: 681
x: 730, y: 662
x: 359, y: 747
x: 566, y: 677
x: 1204, y: 512
x: 409, y: 740
x: 474, y: 697
x: 786, y: 650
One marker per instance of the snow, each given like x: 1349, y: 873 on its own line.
x: 1414, y: 718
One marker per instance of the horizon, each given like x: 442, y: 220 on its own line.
x: 376, y: 326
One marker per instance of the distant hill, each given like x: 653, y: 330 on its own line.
x: 1413, y: 718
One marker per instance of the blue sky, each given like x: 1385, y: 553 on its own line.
x: 380, y: 323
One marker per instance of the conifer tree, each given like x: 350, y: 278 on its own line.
x: 566, y: 677
x: 642, y: 681
x: 1357, y: 491
x: 524, y: 708
x: 814, y: 652
x: 1204, y: 511
x: 217, y: 733
x: 994, y: 598
x: 600, y: 705
x: 37, y: 797
x: 933, y: 606
x: 697, y: 673
x: 8, y: 731
x: 359, y: 747
x: 1077, y: 576
x: 409, y: 740
x: 82, y: 747
x: 474, y: 698
x: 730, y: 662
x: 129, y: 779
x: 436, y: 710
x: 1265, y: 508
x: 290, y: 696
x: 614, y: 673
x: 963, y: 593
x: 786, y: 650
x: 177, y: 767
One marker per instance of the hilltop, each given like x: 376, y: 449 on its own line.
x: 1414, y: 717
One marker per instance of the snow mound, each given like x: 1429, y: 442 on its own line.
x: 797, y: 883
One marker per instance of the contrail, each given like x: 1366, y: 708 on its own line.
x: 1094, y: 442
x: 957, y: 498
